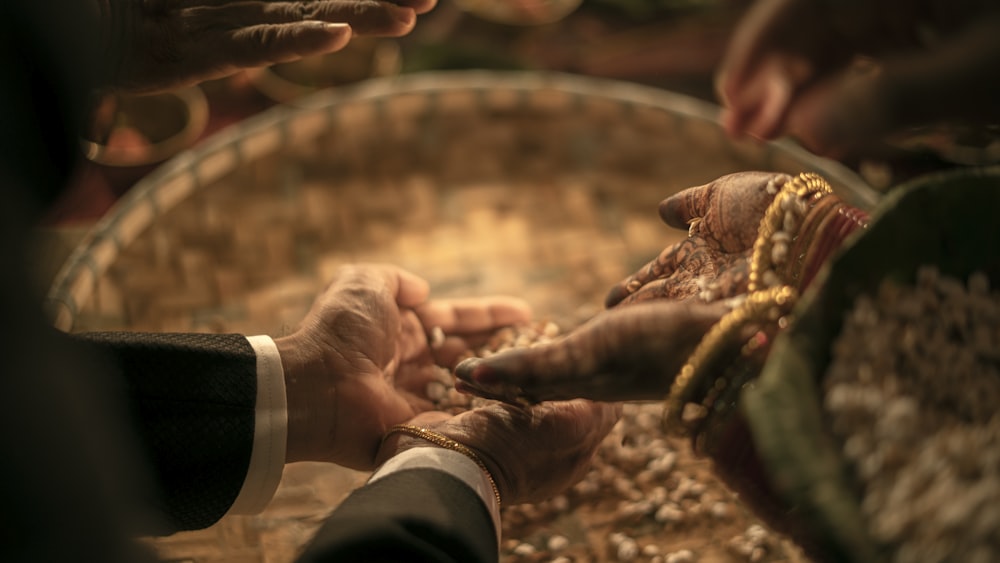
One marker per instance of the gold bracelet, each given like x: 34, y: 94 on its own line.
x: 765, y: 306
x: 781, y: 222
x: 439, y: 439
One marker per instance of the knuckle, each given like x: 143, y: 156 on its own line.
x: 263, y: 38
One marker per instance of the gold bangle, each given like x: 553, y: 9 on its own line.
x: 765, y: 306
x: 443, y: 441
x: 790, y: 204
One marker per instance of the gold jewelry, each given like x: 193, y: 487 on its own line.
x: 693, y: 225
x: 809, y: 234
x: 443, y: 441
x: 769, y: 305
x: 780, y: 225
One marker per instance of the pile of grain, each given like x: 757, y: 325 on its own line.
x: 912, y: 394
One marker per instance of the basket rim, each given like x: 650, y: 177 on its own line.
x: 171, y: 182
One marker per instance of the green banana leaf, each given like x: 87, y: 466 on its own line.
x: 949, y: 220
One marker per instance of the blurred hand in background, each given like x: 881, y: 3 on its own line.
x: 153, y: 45
x: 841, y: 76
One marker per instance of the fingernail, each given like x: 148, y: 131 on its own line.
x: 484, y: 375
x: 330, y: 29
x: 615, y: 296
x: 331, y: 26
x: 464, y: 368
x: 337, y: 27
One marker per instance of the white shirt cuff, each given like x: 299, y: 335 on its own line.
x: 267, y: 458
x: 452, y: 463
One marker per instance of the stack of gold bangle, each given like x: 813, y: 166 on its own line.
x: 782, y: 223
x: 443, y: 441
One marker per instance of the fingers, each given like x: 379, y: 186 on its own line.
x: 748, y: 45
x: 411, y: 289
x: 412, y: 380
x: 660, y: 267
x: 267, y: 44
x: 680, y: 209
x: 670, y: 288
x: 707, y: 275
x: 760, y: 107
x: 474, y: 315
x: 763, y: 115
x: 631, y: 353
x: 767, y: 61
x: 418, y: 6
x: 465, y: 323
x: 408, y: 289
x: 366, y: 17
x: 846, y: 113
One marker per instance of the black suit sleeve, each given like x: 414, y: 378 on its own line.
x: 192, y: 398
x: 415, y: 515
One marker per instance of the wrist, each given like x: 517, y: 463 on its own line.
x: 404, y: 437
x: 310, y: 429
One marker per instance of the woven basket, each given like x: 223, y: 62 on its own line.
x: 538, y: 185
x: 481, y: 182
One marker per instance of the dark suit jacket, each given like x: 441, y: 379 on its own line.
x: 192, y: 401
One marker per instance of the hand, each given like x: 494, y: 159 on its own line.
x: 360, y: 362
x: 623, y: 354
x: 778, y: 47
x: 660, y: 313
x: 806, y: 69
x: 712, y: 263
x: 156, y: 45
x: 532, y: 454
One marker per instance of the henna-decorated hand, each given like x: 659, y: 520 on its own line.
x: 722, y: 218
x: 658, y: 315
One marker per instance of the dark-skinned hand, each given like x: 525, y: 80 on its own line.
x: 532, y: 453
x: 841, y: 77
x: 154, y: 45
